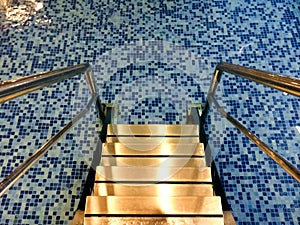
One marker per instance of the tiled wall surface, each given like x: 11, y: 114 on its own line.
x: 152, y: 58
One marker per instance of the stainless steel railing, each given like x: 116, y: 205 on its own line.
x: 17, y: 87
x: 279, y: 82
x: 14, y: 88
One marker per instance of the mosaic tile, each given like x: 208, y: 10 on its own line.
x: 152, y: 58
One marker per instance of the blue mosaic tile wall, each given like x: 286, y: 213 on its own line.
x: 271, y: 190
x: 152, y: 58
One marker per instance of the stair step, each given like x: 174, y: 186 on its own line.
x: 153, y: 174
x: 150, y: 140
x: 161, y: 149
x: 146, y: 205
x: 153, y: 220
x: 189, y: 130
x: 108, y: 189
x: 153, y: 161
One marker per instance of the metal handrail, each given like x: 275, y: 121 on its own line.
x: 24, y: 85
x: 279, y: 82
x: 15, y: 88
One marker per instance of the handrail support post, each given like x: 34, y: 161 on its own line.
x: 90, y: 79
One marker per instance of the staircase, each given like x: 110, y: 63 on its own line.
x: 153, y: 174
x: 149, y: 174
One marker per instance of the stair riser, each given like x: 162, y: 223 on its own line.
x: 104, y: 189
x: 153, y: 149
x: 152, y: 221
x: 155, y: 161
x: 153, y: 174
x: 153, y: 130
x: 151, y: 140
x: 185, y: 206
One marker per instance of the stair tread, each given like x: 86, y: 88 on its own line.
x: 108, y: 189
x: 152, y: 130
x: 153, y: 174
x: 153, y: 161
x: 146, y: 205
x: 154, y: 220
x: 188, y: 149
